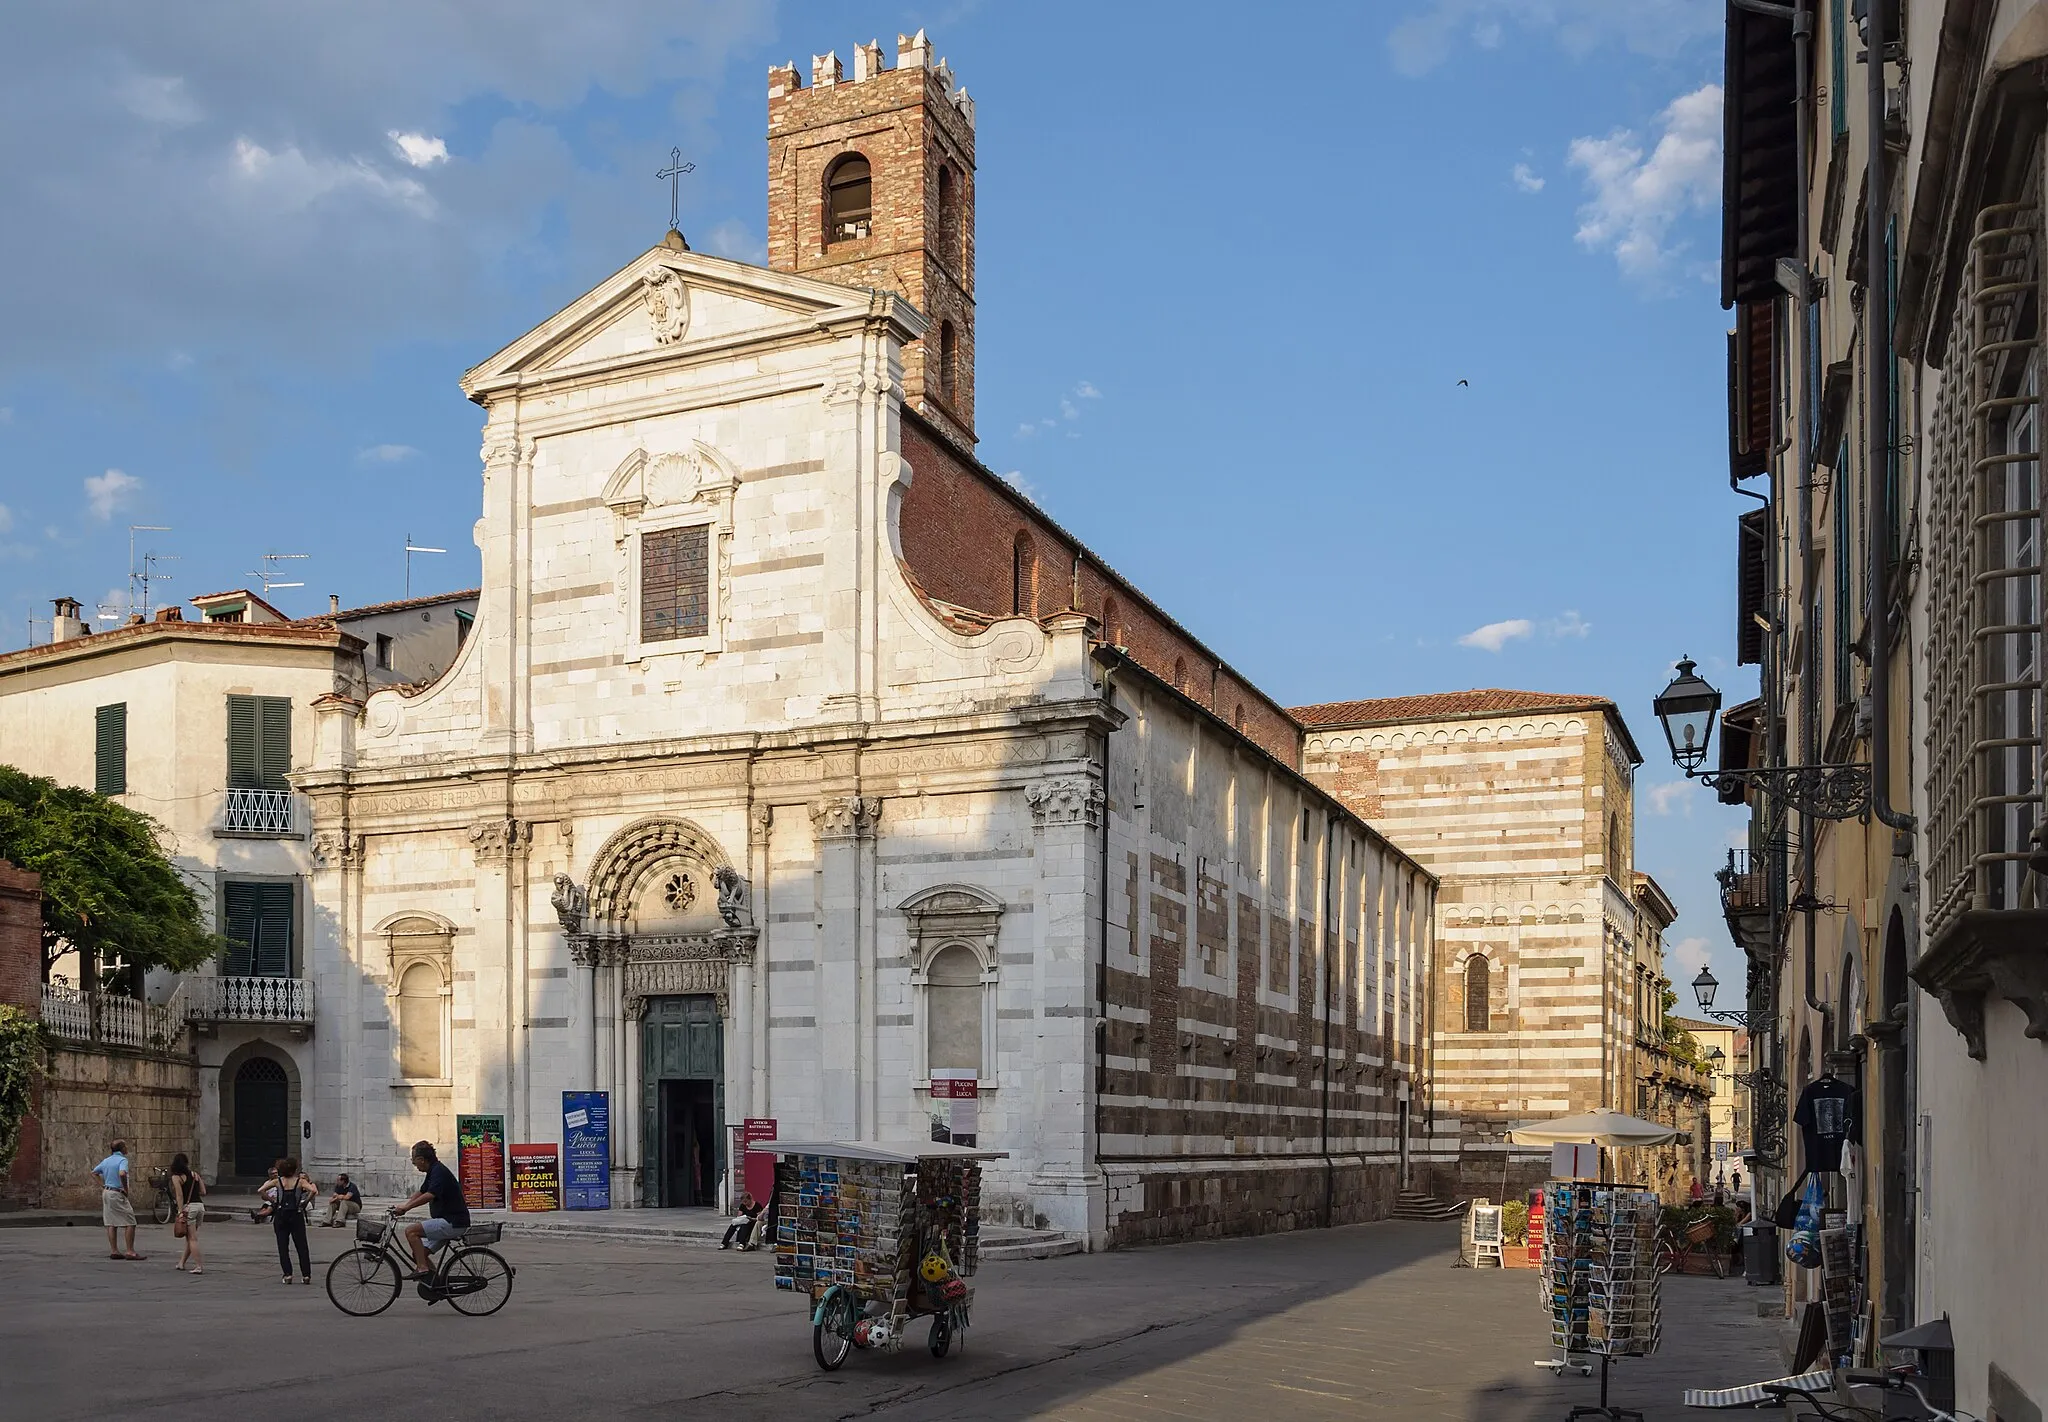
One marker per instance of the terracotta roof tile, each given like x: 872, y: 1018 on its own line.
x: 373, y: 609
x: 1442, y: 706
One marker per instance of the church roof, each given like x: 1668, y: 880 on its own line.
x: 1443, y: 706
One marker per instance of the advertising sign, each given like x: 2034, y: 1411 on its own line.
x: 759, y: 1169
x: 962, y: 1093
x: 480, y: 1160
x: 586, y: 1150
x: 536, y: 1177
x: 1571, y: 1161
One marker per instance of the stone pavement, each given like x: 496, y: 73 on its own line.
x: 1363, y: 1322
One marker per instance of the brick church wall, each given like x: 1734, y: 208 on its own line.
x: 960, y: 526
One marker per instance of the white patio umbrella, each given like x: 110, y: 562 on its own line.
x: 1602, y: 1127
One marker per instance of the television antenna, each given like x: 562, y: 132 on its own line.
x: 137, y: 578
x: 410, y: 549
x: 150, y: 575
x: 272, y: 575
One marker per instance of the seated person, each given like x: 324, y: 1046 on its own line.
x: 448, y: 1212
x: 742, y: 1228
x: 345, y: 1203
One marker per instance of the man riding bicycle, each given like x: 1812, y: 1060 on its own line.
x: 448, y: 1212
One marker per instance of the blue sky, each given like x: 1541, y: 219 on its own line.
x: 1231, y: 271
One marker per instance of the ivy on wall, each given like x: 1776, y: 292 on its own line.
x: 21, y: 1067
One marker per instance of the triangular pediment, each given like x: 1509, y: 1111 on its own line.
x: 673, y: 303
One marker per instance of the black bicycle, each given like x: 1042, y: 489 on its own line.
x: 365, y: 1280
x: 166, y: 1203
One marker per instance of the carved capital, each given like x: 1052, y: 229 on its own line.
x: 1067, y: 800
x: 499, y: 841
x: 846, y: 817
x: 735, y: 897
x: 333, y: 849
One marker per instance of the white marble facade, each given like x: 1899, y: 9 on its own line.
x: 546, y: 829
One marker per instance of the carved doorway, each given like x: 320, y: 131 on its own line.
x: 682, y: 1101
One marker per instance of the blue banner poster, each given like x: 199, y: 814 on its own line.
x: 586, y: 1150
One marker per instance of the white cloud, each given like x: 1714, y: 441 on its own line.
x: 385, y: 454
x: 1635, y: 197
x: 1672, y: 794
x: 1526, y: 179
x: 1659, y: 28
x: 1068, y: 409
x: 289, y: 181
x: 1495, y: 635
x: 1016, y: 480
x: 157, y: 98
x: 1691, y: 953
x: 104, y: 493
x: 6, y: 414
x: 733, y: 238
x: 1087, y: 391
x: 6, y: 518
x: 418, y: 149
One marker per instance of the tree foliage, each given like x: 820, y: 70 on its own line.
x: 21, y: 1067
x: 109, y: 890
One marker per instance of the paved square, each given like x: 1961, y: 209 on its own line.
x: 1364, y: 1322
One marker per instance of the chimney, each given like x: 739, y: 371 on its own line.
x: 867, y: 60
x: 65, y: 622
x: 913, y: 51
x: 333, y: 604
x: 825, y: 70
x: 170, y: 614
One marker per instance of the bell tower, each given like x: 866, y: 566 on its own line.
x: 871, y: 183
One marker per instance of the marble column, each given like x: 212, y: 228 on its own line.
x: 843, y: 826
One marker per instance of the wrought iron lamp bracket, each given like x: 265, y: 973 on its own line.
x: 1826, y: 792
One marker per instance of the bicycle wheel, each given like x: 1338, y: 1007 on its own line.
x: 832, y: 1337
x: 477, y: 1282
x: 942, y: 1335
x: 163, y: 1209
x: 362, y: 1281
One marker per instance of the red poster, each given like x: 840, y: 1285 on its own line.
x: 536, y: 1177
x: 760, y: 1165
x: 480, y: 1160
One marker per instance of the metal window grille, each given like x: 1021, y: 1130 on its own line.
x: 1984, y: 571
x: 675, y: 583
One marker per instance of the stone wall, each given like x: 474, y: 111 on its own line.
x: 94, y: 1096
x: 1159, y: 1206
x: 21, y: 976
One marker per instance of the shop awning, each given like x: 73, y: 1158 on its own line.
x: 1759, y: 196
x: 1602, y: 1128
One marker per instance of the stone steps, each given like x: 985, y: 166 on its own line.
x: 1414, y: 1205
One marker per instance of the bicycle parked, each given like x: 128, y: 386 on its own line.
x: 160, y: 1181
x: 1698, y: 1239
x: 365, y: 1280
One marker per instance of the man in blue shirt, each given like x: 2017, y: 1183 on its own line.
x: 448, y: 1212
x: 345, y: 1203
x: 117, y: 1211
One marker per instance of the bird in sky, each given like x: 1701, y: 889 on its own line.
x: 1464, y: 382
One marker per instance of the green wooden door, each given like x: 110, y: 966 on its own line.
x: 682, y: 1043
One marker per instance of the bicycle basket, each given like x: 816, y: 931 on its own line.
x: 1699, y: 1231
x: 482, y: 1233
x: 369, y: 1231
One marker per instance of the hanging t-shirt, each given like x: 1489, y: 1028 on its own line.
x: 1830, y: 1112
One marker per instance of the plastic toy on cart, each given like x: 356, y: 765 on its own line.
x: 878, y: 1234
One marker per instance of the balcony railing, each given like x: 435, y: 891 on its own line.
x: 258, y: 812
x: 108, y: 1020
x: 247, y: 999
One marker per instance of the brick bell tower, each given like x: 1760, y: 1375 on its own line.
x: 871, y: 183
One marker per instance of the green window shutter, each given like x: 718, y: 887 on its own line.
x: 245, y: 757
x: 257, y: 919
x: 238, y: 925
x: 110, y: 749
x: 1838, y: 90
x: 277, y: 741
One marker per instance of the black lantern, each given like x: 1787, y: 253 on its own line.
x: 1716, y: 1056
x: 1703, y: 988
x: 1687, y: 709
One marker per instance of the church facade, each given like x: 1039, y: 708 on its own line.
x: 797, y: 767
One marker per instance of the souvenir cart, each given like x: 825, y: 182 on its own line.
x: 877, y: 1234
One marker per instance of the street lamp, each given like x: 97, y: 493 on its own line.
x: 1704, y: 987
x: 1687, y: 708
